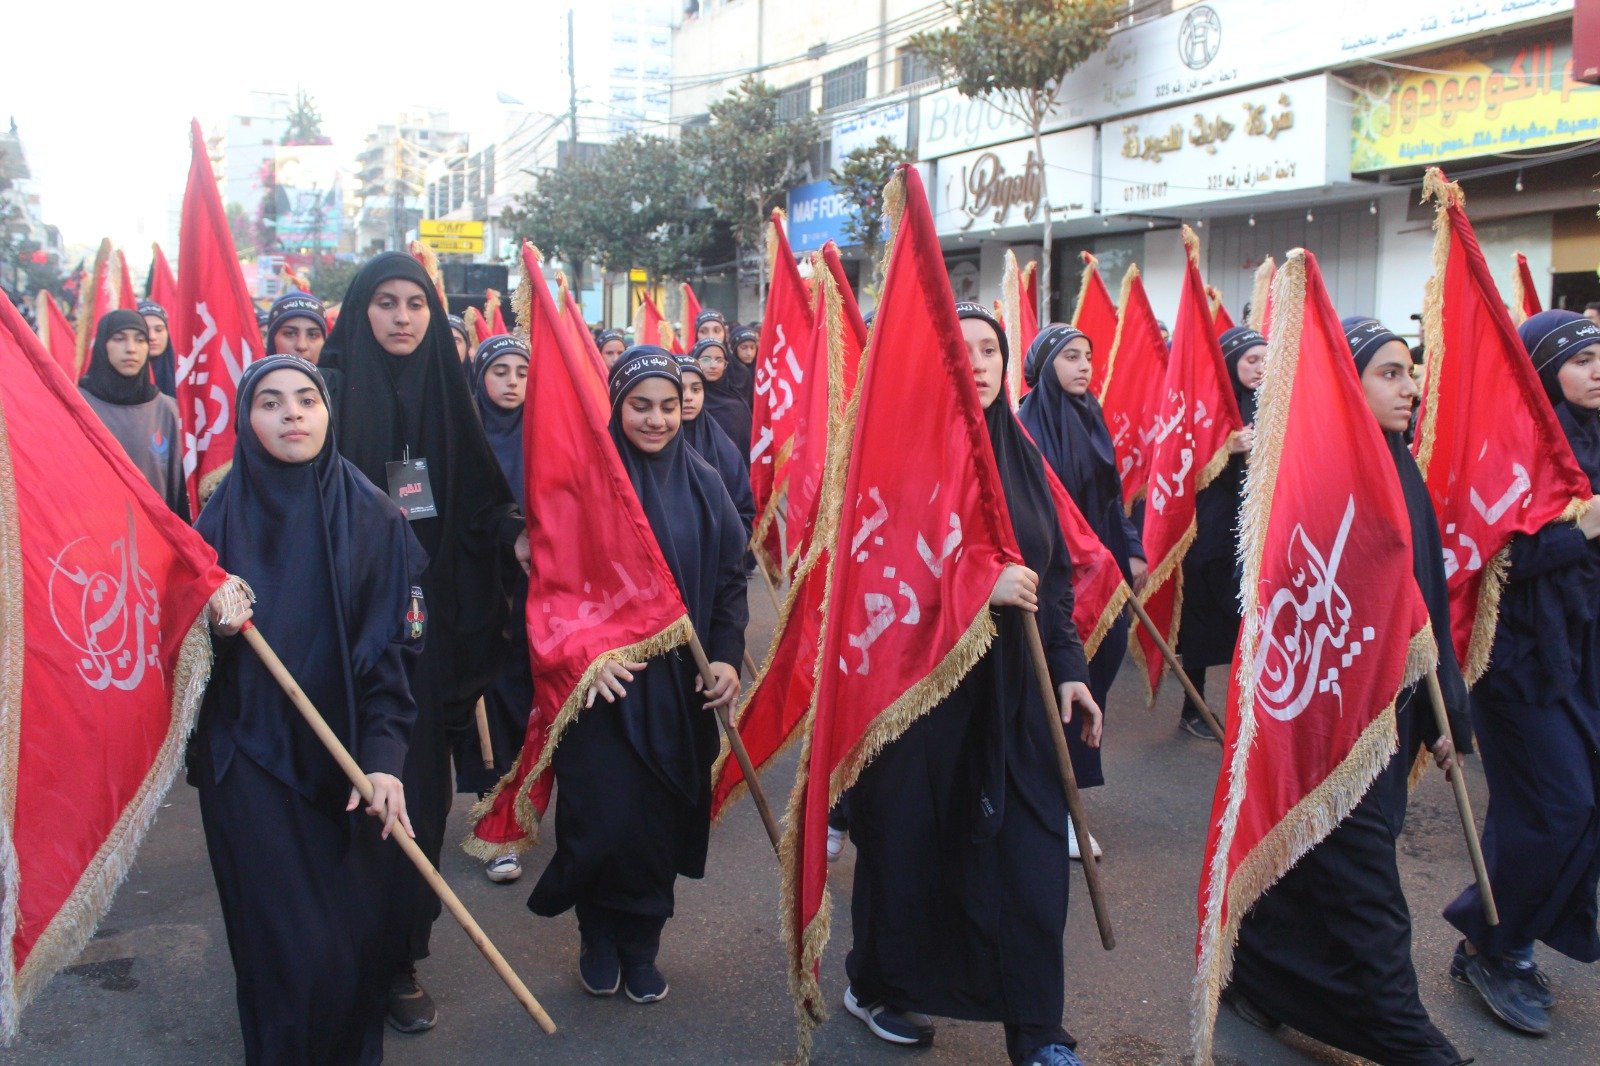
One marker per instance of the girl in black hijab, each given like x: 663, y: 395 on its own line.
x: 1067, y: 424
x: 162, y: 368
x: 633, y: 772
x: 725, y: 398
x: 1537, y: 710
x: 500, y: 378
x: 1208, y: 626
x: 612, y: 344
x: 401, y: 397
x: 960, y: 896
x: 144, y: 420
x: 1327, y: 949
x: 743, y: 344
x: 712, y: 444
x: 306, y: 884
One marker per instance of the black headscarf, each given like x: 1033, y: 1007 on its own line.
x: 102, y: 380
x: 388, y: 404
x: 162, y: 367
x: 726, y: 399
x: 689, y: 512
x: 502, y: 427
x: 710, y: 443
x: 294, y: 305
x: 1553, y: 337
x: 333, y: 564
x: 1235, y: 342
x: 1365, y: 336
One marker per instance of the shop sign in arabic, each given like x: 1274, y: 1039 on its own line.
x: 1472, y: 102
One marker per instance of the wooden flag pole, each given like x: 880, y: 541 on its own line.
x: 736, y: 743
x: 485, y: 745
x: 1069, y: 781
x: 281, y: 675
x: 750, y: 664
x: 1177, y: 668
x: 1469, y: 828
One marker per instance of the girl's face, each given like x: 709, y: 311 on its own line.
x: 611, y: 350
x: 1390, y: 390
x: 128, y: 350
x: 712, y: 330
x: 988, y: 365
x: 461, y: 344
x: 746, y: 352
x: 1072, y: 366
x: 299, y: 336
x: 156, y: 329
x: 651, y: 414
x: 1253, y: 363
x: 289, y: 417
x: 1580, y: 378
x: 399, y: 316
x: 714, y: 362
x: 694, y: 396
x: 506, y: 382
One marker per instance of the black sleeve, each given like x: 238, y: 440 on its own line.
x: 730, y: 610
x: 1557, y: 545
x: 1062, y: 646
x: 385, y: 707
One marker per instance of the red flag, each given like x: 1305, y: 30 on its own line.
x: 1021, y: 323
x: 478, y: 329
x: 430, y: 263
x: 602, y: 596
x: 214, y: 331
x: 780, y: 695
x: 1132, y: 387
x: 293, y: 280
x: 691, y: 311
x: 94, y: 302
x: 492, y: 313
x: 106, y: 658
x: 583, y: 341
x: 162, y: 285
x: 1524, y: 293
x: 906, y: 612
x: 1196, y: 416
x: 1260, y: 316
x: 1488, y: 444
x: 1223, y: 321
x: 780, y: 375
x: 1096, y: 316
x: 57, y: 335
x: 1030, y: 302
x: 1334, y: 624
x: 127, y: 295
x: 650, y: 327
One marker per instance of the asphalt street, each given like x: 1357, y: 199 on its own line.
x: 156, y: 984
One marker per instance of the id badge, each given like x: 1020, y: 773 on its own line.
x: 410, y: 489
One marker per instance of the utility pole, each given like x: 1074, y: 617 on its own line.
x: 572, y: 131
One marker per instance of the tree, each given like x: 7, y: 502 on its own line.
x: 1014, y: 53
x: 860, y: 180
x: 748, y: 158
x: 330, y: 280
x: 629, y: 206
x: 243, y: 229
x: 305, y: 122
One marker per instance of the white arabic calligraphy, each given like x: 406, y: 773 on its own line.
x: 110, y: 616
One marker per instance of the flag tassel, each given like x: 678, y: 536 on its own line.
x: 737, y: 744
x: 452, y: 903
x: 1069, y: 781
x: 1480, y: 872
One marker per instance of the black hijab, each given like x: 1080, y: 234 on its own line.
x: 1235, y: 342
x: 162, y: 368
x: 710, y: 443
x: 1070, y: 430
x: 502, y: 427
x: 333, y: 564
x: 725, y: 399
x: 1552, y: 338
x: 421, y: 402
x: 102, y: 380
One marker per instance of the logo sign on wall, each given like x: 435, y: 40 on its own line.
x: 1199, y: 37
x: 1003, y: 188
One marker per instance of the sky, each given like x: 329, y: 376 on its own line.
x: 107, y: 132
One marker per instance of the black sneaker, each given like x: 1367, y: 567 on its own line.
x: 1534, y: 981
x: 1196, y: 727
x: 897, y: 1027
x: 411, y: 1009
x: 599, y: 972
x: 1248, y: 1011
x: 644, y: 983
x: 1506, y: 993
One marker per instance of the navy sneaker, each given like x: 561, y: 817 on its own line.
x: 897, y: 1027
x: 1534, y: 982
x: 1054, y: 1055
x: 644, y: 983
x: 599, y: 970
x: 1505, y: 991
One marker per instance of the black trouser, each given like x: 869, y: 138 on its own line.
x: 637, y: 936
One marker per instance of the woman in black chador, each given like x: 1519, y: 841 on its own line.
x: 1537, y: 711
x: 706, y: 437
x: 306, y: 884
x: 1327, y: 949
x: 633, y: 771
x: 726, y: 401
x: 401, y: 397
x: 960, y: 897
x: 1209, y: 624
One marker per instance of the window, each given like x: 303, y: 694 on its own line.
x: 794, y: 101
x: 844, y: 85
x: 914, y: 68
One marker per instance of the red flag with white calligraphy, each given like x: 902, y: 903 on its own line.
x: 780, y: 695
x: 162, y: 285
x: 780, y: 374
x: 1334, y: 625
x: 1135, y: 374
x: 605, y: 595
x: 1196, y: 416
x: 1524, y: 293
x: 1096, y: 316
x: 105, y: 659
x: 1222, y: 321
x: 56, y: 334
x: 922, y: 536
x: 214, y: 331
x: 1488, y: 444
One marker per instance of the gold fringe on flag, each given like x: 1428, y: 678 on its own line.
x: 1214, y: 298
x: 1519, y: 292
x: 1261, y: 295
x: 522, y: 298
x: 1128, y: 279
x: 1090, y: 265
x: 1009, y: 307
x: 1444, y: 194
x: 430, y: 262
x: 1316, y: 815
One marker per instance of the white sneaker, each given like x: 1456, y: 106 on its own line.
x: 835, y: 843
x: 503, y: 869
x: 1072, y: 844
